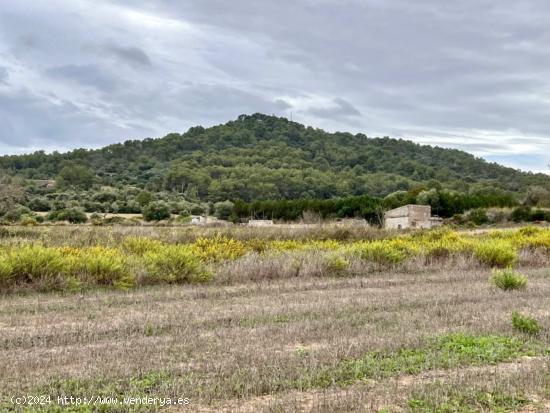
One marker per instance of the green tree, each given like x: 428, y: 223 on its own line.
x: 223, y: 210
x: 74, y: 176
x: 144, y: 198
x: 156, y: 211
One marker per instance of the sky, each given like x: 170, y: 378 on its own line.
x: 469, y: 74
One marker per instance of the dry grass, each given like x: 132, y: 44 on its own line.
x: 244, y: 346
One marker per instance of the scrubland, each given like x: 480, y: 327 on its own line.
x: 264, y: 320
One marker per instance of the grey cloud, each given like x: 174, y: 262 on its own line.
x: 387, y: 67
x: 88, y: 75
x: 3, y: 75
x: 130, y: 55
x: 339, y: 108
x: 32, y: 122
x: 201, y: 103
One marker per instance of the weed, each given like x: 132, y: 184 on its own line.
x: 140, y: 245
x: 336, y: 264
x: 446, y: 351
x: 497, y: 253
x: 34, y: 265
x: 218, y: 248
x: 102, y: 266
x: 525, y: 324
x: 508, y: 279
x: 174, y: 264
x: 464, y: 400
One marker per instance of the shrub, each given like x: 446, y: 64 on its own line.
x: 144, y: 198
x: 73, y: 215
x: 478, y: 216
x: 14, y: 215
x: 219, y: 248
x: 336, y: 264
x: 141, y: 245
x: 174, y: 264
x: 538, y: 215
x: 34, y: 265
x: 40, y: 204
x: 496, y: 253
x: 223, y: 210
x: 96, y: 219
x: 197, y: 210
x: 381, y: 252
x: 103, y: 266
x: 525, y: 324
x: 156, y: 211
x: 508, y: 279
x: 28, y: 220
x: 521, y: 214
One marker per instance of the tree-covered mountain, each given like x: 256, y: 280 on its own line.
x: 260, y: 157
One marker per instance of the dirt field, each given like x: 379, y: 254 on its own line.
x: 380, y: 343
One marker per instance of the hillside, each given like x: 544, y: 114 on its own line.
x: 261, y: 157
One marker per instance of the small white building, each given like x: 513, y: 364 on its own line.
x: 198, y: 220
x: 411, y: 216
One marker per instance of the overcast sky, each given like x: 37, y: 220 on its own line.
x: 469, y: 74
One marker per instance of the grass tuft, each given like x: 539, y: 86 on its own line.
x: 508, y: 279
x: 525, y: 324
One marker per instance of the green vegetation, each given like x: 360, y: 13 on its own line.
x: 129, y: 261
x: 156, y: 211
x: 442, y: 352
x: 264, y: 166
x: 525, y: 324
x: 498, y: 253
x: 173, y: 264
x: 72, y: 215
x: 508, y: 279
x: 465, y: 400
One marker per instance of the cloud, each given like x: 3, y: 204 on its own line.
x: 133, y: 56
x: 88, y: 75
x: 3, y: 75
x: 471, y: 74
x: 339, y: 108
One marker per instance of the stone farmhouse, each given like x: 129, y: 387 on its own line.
x: 411, y: 216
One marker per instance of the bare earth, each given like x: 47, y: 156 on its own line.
x: 229, y: 348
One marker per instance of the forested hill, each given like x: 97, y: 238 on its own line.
x: 264, y: 157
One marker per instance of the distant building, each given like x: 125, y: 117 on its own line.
x: 260, y: 223
x: 198, y: 220
x: 411, y: 216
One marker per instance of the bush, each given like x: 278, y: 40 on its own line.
x: 218, y: 248
x: 156, y: 211
x: 478, y: 217
x: 508, y: 279
x: 223, y: 210
x: 525, y: 324
x: 521, y: 214
x: 336, y: 264
x: 28, y: 220
x: 184, y: 219
x: 96, y: 219
x: 144, y: 198
x: 73, y: 215
x: 496, y: 253
x: 174, y: 264
x: 141, y: 245
x: 33, y: 265
x: 14, y: 214
x: 102, y: 266
x: 381, y: 252
x: 197, y: 210
x: 40, y: 204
